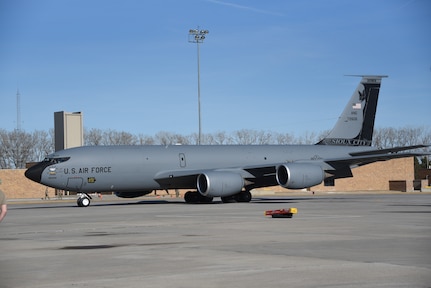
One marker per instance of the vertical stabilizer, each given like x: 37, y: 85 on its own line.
x: 356, y: 124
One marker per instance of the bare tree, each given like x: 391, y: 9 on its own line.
x: 93, y: 137
x: 112, y: 137
x: 263, y: 138
x: 43, y: 144
x: 413, y: 135
x: 391, y: 137
x: 308, y: 138
x: 385, y: 138
x: 426, y: 136
x: 16, y: 148
x: 167, y: 138
x: 283, y: 138
x: 244, y: 137
x: 221, y: 138
x: 145, y: 140
x: 3, y: 157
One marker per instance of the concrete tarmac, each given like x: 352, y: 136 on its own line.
x: 334, y: 241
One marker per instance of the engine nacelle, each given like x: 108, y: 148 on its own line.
x: 132, y: 194
x: 219, y: 184
x: 299, y: 175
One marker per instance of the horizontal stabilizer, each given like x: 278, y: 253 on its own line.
x: 388, y: 150
x: 367, y: 159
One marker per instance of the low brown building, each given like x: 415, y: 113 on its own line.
x: 16, y: 186
x: 382, y: 176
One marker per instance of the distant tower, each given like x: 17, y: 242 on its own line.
x: 18, y: 110
x: 68, y: 130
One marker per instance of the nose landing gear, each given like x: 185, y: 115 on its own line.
x: 83, y: 200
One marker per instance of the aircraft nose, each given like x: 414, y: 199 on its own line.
x: 35, y: 172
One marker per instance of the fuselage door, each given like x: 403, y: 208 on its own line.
x: 182, y: 160
x: 74, y: 183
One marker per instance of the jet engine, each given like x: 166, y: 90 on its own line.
x: 131, y: 194
x: 219, y: 183
x: 299, y: 175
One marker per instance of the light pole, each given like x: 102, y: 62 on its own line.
x: 198, y: 36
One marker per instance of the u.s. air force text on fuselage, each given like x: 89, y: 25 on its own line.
x: 88, y: 170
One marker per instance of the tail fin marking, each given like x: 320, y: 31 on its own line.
x: 356, y: 124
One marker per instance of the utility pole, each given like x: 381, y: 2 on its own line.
x: 198, y: 36
x: 18, y: 110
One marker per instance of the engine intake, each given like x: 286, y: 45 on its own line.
x: 299, y: 175
x: 219, y: 183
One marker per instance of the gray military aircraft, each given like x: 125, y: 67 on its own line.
x: 226, y: 171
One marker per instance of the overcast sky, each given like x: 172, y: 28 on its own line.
x: 265, y: 65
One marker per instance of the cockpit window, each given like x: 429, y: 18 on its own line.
x: 55, y: 160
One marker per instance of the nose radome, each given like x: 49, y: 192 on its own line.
x: 35, y: 172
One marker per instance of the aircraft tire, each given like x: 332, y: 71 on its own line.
x: 205, y: 199
x: 196, y: 197
x: 83, y: 202
x: 244, y: 196
x: 192, y: 197
x: 228, y: 199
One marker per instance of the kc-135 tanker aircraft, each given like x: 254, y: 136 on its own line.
x: 226, y: 171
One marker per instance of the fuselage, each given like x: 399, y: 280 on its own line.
x: 137, y: 168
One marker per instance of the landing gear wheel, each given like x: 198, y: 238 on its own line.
x: 196, y: 197
x: 228, y: 199
x: 191, y: 197
x: 83, y: 200
x: 205, y: 199
x: 244, y: 196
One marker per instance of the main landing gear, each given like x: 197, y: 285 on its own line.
x: 84, y: 200
x: 243, y: 196
x: 196, y: 197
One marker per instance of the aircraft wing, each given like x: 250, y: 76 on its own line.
x: 177, y: 179
x: 186, y: 179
